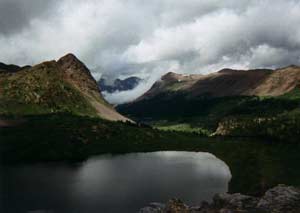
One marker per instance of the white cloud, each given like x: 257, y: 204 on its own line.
x: 120, y: 97
x: 149, y: 38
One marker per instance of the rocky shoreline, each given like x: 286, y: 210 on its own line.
x: 280, y: 199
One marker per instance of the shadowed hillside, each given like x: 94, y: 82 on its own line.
x: 228, y: 102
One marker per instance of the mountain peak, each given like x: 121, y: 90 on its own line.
x: 69, y: 57
x: 65, y: 85
x: 70, y: 60
x: 226, y: 70
x: 171, y: 76
x: 72, y: 65
x: 175, y: 77
x: 292, y: 66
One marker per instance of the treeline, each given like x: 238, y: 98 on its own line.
x: 284, y: 127
x: 248, y: 112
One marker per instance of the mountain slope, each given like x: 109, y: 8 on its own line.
x: 228, y: 82
x: 203, y: 102
x: 65, y: 85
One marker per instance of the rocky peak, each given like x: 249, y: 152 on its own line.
x: 293, y: 66
x: 290, y: 67
x: 78, y: 74
x: 171, y: 76
x: 65, y: 85
x: 226, y: 70
x: 68, y: 58
x: 71, y: 63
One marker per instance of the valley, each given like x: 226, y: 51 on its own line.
x: 228, y: 102
x: 163, y: 106
x: 54, y: 112
x: 68, y: 138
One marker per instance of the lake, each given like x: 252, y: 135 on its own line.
x: 113, y: 183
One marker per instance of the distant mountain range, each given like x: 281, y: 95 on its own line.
x: 4, y: 68
x: 65, y: 85
x: 227, y: 102
x: 119, y: 85
x: 229, y: 82
x: 215, y: 102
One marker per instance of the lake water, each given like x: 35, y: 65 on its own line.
x: 122, y: 183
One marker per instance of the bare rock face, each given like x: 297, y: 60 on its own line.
x: 235, y: 201
x: 280, y: 199
x: 77, y: 73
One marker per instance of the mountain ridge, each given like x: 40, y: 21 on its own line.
x: 55, y: 86
x: 229, y: 82
x: 228, y: 102
x: 11, y: 68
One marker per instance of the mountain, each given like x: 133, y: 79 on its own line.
x: 4, y: 68
x: 119, y: 85
x: 228, y: 82
x: 222, y: 99
x: 65, y: 85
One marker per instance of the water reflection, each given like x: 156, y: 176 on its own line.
x: 121, y: 183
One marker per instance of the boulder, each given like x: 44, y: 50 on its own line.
x: 281, y: 199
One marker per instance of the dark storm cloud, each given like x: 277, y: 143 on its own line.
x: 149, y: 38
x: 15, y: 15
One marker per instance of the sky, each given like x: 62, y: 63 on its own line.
x: 121, y: 38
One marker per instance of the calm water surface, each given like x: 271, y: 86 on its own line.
x: 123, y: 183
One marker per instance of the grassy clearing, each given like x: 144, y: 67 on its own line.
x: 205, y: 114
x: 182, y: 127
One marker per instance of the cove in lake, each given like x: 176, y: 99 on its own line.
x: 122, y: 183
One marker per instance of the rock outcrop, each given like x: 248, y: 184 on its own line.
x: 280, y: 199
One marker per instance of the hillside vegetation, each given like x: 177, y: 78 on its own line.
x: 65, y: 137
x: 65, y: 85
x: 54, y: 112
x: 219, y: 104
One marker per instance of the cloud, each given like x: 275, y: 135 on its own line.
x: 149, y: 38
x: 226, y: 34
x: 15, y: 15
x: 156, y: 70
